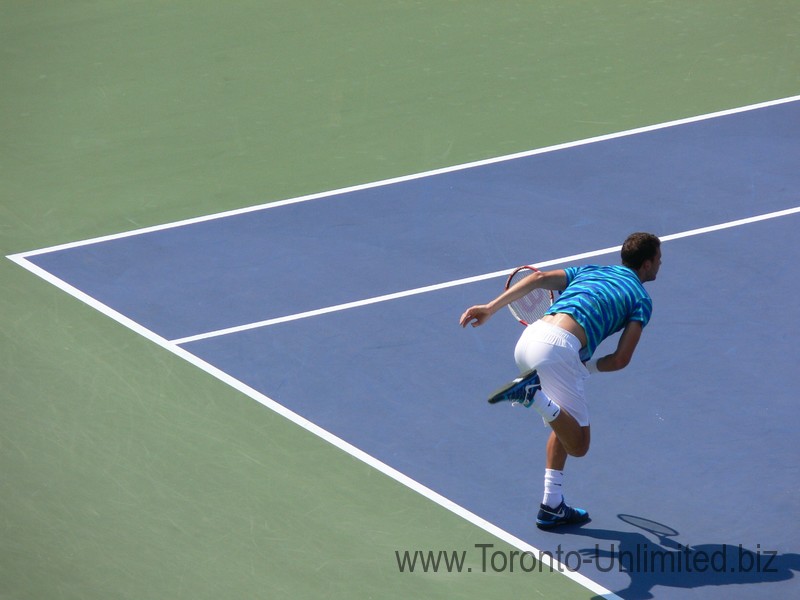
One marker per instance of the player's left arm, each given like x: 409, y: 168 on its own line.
x: 621, y: 357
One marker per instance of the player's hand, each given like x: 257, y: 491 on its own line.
x: 475, y: 315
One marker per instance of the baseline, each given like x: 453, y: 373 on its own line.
x: 423, y: 174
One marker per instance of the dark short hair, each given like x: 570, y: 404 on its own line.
x: 639, y: 247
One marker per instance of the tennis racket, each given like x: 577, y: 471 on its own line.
x: 532, y: 306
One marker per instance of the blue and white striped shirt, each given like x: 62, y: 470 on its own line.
x: 603, y: 300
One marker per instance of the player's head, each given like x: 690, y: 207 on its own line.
x: 642, y: 253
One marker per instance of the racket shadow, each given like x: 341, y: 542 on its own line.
x: 661, y: 531
x: 654, y: 560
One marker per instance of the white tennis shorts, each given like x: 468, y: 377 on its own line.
x: 554, y: 353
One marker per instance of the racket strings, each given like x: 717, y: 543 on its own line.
x: 532, y: 306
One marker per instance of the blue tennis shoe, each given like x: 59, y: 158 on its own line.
x: 519, y: 391
x: 562, y: 514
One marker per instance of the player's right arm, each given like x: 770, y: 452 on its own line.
x: 548, y: 280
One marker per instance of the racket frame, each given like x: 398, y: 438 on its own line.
x: 510, y: 281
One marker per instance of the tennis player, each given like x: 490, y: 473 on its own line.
x: 555, y: 354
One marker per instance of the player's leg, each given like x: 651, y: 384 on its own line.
x: 554, y: 353
x: 551, y: 383
x: 556, y: 453
x: 554, y: 510
x: 573, y: 439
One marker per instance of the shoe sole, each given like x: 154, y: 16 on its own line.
x: 494, y: 398
x: 546, y: 526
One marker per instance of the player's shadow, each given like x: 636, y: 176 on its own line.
x: 666, y: 562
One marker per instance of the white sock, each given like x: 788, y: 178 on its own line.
x: 545, y: 407
x: 553, y: 481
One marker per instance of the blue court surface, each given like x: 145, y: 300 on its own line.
x: 341, y: 311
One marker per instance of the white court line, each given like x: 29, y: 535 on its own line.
x: 386, y: 182
x: 467, y: 280
x: 543, y: 557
